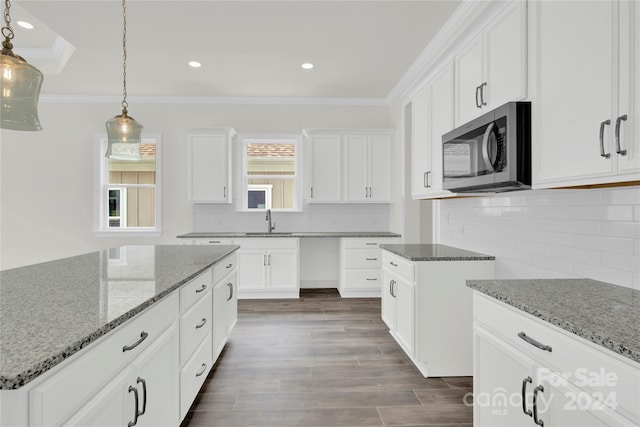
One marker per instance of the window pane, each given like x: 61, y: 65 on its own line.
x: 271, y: 159
x: 114, y: 203
x: 282, y: 191
x: 257, y: 199
x: 128, y: 172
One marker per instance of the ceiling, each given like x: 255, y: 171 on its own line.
x: 361, y: 49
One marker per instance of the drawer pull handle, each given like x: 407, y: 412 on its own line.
x: 373, y: 280
x: 204, y: 368
x: 136, y: 413
x: 619, y: 150
x: 602, y: 125
x: 524, y: 399
x: 202, y: 288
x: 393, y: 263
x: 230, y: 285
x: 371, y: 244
x: 230, y: 265
x: 143, y: 336
x: 534, y: 342
x: 214, y: 241
x: 144, y: 394
x: 535, y: 405
x: 371, y: 259
x: 204, y: 322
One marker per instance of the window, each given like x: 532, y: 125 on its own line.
x: 128, y: 197
x: 271, y: 173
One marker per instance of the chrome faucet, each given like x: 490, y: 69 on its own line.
x: 268, y: 218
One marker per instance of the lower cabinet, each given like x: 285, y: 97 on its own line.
x: 360, y: 262
x: 144, y: 394
x: 417, y: 301
x: 569, y: 383
x: 268, y: 268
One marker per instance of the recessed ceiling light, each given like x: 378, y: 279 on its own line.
x: 25, y: 24
x: 307, y: 65
x: 195, y: 64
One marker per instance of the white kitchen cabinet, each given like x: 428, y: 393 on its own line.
x: 492, y: 68
x: 583, y: 93
x: 417, y: 297
x: 268, y: 268
x: 210, y: 157
x: 574, y: 382
x: 367, y: 168
x: 432, y: 116
x: 360, y: 262
x: 144, y: 394
x: 225, y: 303
x: 324, y: 181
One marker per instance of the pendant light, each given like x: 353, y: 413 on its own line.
x: 20, y: 84
x: 123, y: 132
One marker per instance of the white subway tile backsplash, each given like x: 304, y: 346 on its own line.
x: 591, y: 233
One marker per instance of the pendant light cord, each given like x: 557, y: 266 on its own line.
x: 124, y: 58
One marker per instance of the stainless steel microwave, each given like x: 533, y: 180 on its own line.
x: 491, y: 153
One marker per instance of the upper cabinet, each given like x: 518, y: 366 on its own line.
x: 585, y: 97
x: 432, y: 116
x: 491, y: 69
x: 367, y: 168
x: 210, y: 153
x: 348, y: 165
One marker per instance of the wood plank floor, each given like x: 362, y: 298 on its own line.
x: 322, y: 361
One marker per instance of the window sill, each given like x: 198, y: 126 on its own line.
x: 128, y: 233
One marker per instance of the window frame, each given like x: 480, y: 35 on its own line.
x: 243, y: 177
x: 102, y: 187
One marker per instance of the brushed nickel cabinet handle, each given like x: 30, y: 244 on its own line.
x: 144, y: 394
x: 371, y: 259
x: 524, y: 391
x: 478, y: 102
x: 393, y: 263
x: 534, y: 342
x: 202, y: 288
x: 204, y: 368
x: 230, y: 285
x: 372, y: 280
x: 619, y: 150
x: 602, y: 125
x: 202, y: 323
x: 535, y: 405
x: 136, y: 412
x: 143, y: 336
x: 482, y: 101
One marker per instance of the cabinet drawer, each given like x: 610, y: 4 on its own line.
x: 366, y: 243
x: 193, y: 374
x: 362, y: 258
x: 224, y: 267
x: 269, y: 243
x: 213, y: 241
x: 362, y: 279
x: 195, y: 290
x: 195, y: 326
x: 586, y: 365
x: 97, y: 364
x: 398, y: 265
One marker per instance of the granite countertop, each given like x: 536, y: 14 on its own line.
x: 606, y: 314
x: 425, y: 252
x: 51, y: 310
x: 241, y: 234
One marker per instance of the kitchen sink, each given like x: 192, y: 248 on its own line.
x: 265, y: 233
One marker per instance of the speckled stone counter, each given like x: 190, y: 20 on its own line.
x: 424, y: 252
x: 320, y: 234
x: 605, y: 314
x: 51, y: 310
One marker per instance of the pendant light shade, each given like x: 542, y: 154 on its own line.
x: 123, y: 132
x: 20, y: 85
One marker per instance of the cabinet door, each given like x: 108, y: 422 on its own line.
x: 113, y: 405
x: 158, y: 382
x: 506, y: 57
x: 629, y: 89
x: 379, y: 168
x: 469, y: 77
x: 574, y: 89
x: 210, y: 168
x: 441, y: 122
x: 388, y: 301
x: 219, y: 327
x: 231, y: 300
x: 251, y: 269
x: 324, y: 169
x: 283, y: 270
x: 355, y: 173
x: 499, y: 373
x: 421, y: 143
x: 404, y: 292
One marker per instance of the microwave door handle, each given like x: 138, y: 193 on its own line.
x: 485, y: 146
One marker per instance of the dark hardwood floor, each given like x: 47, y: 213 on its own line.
x: 322, y: 361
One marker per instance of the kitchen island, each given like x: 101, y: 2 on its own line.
x: 569, y: 347
x: 55, y: 315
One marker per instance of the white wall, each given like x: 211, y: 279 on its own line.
x: 46, y: 178
x: 591, y: 233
